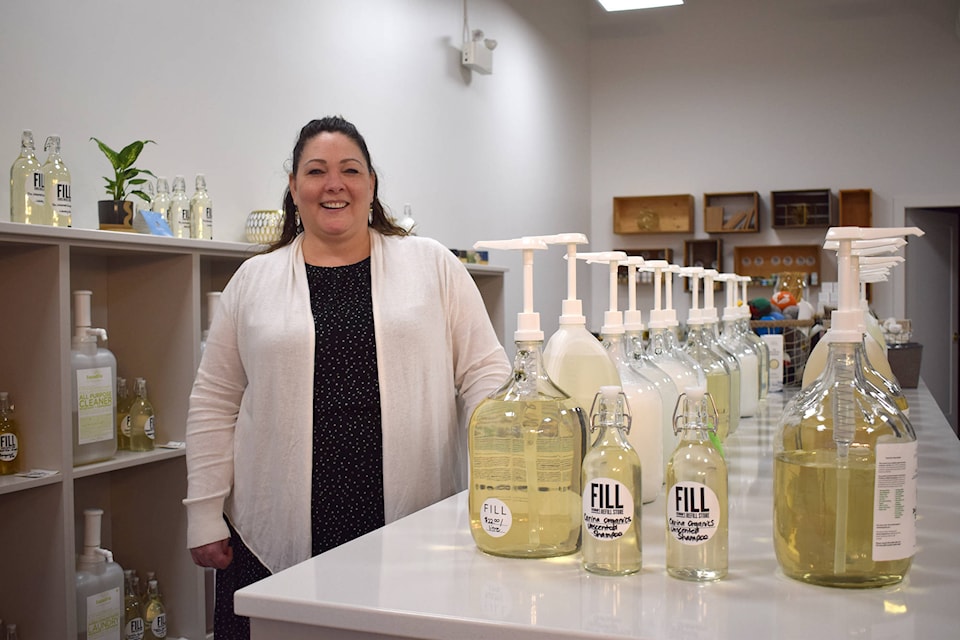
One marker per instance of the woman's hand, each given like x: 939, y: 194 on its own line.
x: 217, y: 555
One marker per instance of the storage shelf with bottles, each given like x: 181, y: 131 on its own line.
x: 148, y: 294
x: 733, y: 212
x: 653, y: 214
x: 803, y: 208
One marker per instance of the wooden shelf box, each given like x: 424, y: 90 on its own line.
x: 643, y: 277
x: 737, y: 212
x: 809, y: 208
x: 856, y: 209
x: 653, y: 214
x: 763, y: 262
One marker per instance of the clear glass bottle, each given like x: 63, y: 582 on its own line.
x: 612, y: 483
x: 142, y: 419
x: 711, y: 333
x: 154, y: 613
x: 124, y: 402
x: 93, y: 385
x: 56, y: 177
x: 715, y: 370
x: 12, y: 633
x: 697, y: 516
x: 27, y: 194
x: 180, y: 209
x: 133, y: 626
x: 756, y: 343
x: 161, y: 201
x: 10, y: 444
x: 201, y: 211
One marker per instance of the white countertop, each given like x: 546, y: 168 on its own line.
x: 423, y: 577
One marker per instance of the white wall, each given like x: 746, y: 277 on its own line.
x: 223, y: 87
x: 763, y: 95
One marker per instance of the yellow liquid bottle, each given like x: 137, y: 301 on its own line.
x: 844, y: 481
x: 697, y: 523
x: 56, y: 177
x: 133, y: 626
x: 526, y: 445
x: 10, y: 444
x: 124, y: 402
x: 718, y: 378
x: 27, y: 195
x: 154, y: 614
x: 179, y: 213
x: 142, y: 419
x: 201, y: 211
x: 612, y: 481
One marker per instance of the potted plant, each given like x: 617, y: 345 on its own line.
x: 117, y: 214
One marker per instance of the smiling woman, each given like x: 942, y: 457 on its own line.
x: 293, y: 445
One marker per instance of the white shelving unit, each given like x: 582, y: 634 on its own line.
x: 148, y: 293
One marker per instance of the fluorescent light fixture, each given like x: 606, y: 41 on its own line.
x: 630, y: 5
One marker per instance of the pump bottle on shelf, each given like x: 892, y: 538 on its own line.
x: 93, y: 383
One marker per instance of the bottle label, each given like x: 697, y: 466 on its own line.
x: 895, y: 501
x: 62, y: 203
x: 148, y: 427
x: 134, y: 629
x: 9, y: 447
x: 95, y: 404
x: 125, y: 425
x: 607, y: 508
x: 159, y: 626
x: 693, y: 513
x: 104, y: 614
x: 495, y: 517
x: 33, y: 186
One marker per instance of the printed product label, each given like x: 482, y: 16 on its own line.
x: 63, y: 203
x: 104, y: 615
x: 9, y: 447
x: 693, y: 512
x: 125, y: 425
x: 495, y: 517
x: 33, y: 186
x: 607, y: 508
x: 134, y: 629
x: 159, y: 626
x: 895, y: 502
x: 95, y: 405
x: 148, y: 428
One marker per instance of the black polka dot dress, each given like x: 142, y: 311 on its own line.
x: 347, y: 494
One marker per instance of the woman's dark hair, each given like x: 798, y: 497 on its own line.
x: 332, y: 124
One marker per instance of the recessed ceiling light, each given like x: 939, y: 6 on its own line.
x: 629, y: 5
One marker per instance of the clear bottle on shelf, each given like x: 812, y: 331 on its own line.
x: 162, y: 200
x: 154, y: 613
x: 12, y: 633
x: 27, y: 193
x: 124, y: 401
x: 845, y: 460
x: 180, y: 209
x: 612, y: 542
x: 574, y: 358
x: 133, y: 626
x: 712, y: 334
x: 201, y: 211
x: 733, y: 341
x: 93, y: 388
x: 697, y: 514
x: 56, y: 179
x: 142, y: 419
x: 10, y: 443
x: 535, y: 431
x: 99, y: 583
x: 759, y: 346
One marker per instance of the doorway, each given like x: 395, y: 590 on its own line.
x: 932, y: 302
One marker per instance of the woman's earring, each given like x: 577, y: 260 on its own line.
x: 370, y: 215
x: 296, y: 218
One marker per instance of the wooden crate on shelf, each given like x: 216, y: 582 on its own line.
x: 643, y: 277
x: 653, y: 214
x: 806, y: 208
x: 763, y: 262
x: 735, y: 212
x: 856, y: 208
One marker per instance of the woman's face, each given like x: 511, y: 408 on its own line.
x: 333, y: 189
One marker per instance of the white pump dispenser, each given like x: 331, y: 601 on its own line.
x: 838, y: 443
x: 763, y: 351
x: 574, y: 358
x: 663, y: 347
x: 99, y: 585
x: 711, y: 325
x: 93, y: 383
x: 534, y: 429
x: 734, y: 342
x: 643, y: 397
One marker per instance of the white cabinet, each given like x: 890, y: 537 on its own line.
x: 149, y: 294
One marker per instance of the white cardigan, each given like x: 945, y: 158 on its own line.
x: 250, y: 425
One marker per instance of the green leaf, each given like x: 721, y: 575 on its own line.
x: 107, y: 151
x: 141, y: 195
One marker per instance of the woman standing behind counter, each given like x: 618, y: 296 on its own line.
x: 325, y: 405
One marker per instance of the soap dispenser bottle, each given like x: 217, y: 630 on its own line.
x: 646, y: 403
x: 845, y: 460
x: 732, y: 340
x: 10, y: 445
x: 526, y: 444
x: 755, y: 341
x: 719, y: 384
x: 93, y: 384
x: 612, y: 483
x: 99, y: 584
x: 574, y: 358
x: 697, y: 516
x: 56, y: 180
x: 711, y: 326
